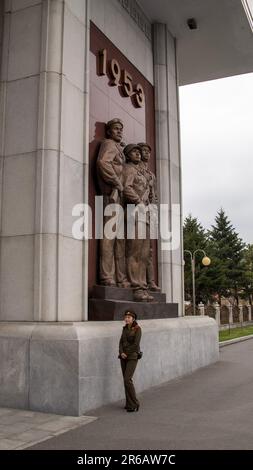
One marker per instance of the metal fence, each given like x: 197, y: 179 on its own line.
x: 225, y: 314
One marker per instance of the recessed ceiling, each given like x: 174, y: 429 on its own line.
x: 222, y: 44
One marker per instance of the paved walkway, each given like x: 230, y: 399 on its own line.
x: 210, y: 409
x: 20, y: 429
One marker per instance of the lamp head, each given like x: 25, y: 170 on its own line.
x: 206, y: 261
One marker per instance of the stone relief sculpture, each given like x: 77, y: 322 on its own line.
x: 110, y: 162
x: 136, y: 191
x: 125, y: 178
x: 153, y: 199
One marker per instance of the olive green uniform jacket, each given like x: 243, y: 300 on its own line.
x: 130, y: 341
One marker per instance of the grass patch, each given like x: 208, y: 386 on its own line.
x: 224, y: 335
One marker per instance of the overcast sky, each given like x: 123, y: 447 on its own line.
x: 217, y: 151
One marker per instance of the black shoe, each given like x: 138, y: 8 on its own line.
x: 133, y: 409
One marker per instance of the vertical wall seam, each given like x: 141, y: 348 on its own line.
x: 6, y: 19
x: 59, y: 173
x: 157, y: 133
x: 39, y: 181
x: 37, y: 204
x: 180, y: 177
x: 168, y: 145
x: 85, y: 243
x: 164, y: 78
x: 158, y: 30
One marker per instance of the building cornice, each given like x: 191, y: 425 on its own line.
x: 136, y: 13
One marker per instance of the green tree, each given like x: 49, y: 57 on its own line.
x: 194, y: 238
x: 247, y: 284
x: 226, y: 249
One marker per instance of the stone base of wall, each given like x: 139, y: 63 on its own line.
x: 70, y: 368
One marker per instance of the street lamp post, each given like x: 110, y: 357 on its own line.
x: 251, y: 283
x: 205, y: 261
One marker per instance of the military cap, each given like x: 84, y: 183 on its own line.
x: 110, y: 123
x: 130, y: 147
x: 143, y: 144
x: 130, y: 312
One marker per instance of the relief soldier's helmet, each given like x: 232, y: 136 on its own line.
x: 144, y: 144
x: 128, y: 148
x: 110, y: 123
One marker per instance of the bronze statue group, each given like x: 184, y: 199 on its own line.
x: 125, y: 178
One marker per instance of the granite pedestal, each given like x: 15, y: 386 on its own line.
x: 71, y: 368
x: 110, y: 303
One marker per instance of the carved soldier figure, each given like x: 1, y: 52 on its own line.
x: 153, y: 199
x: 136, y: 191
x: 110, y: 172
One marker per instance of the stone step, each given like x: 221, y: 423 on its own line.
x: 107, y: 310
x: 118, y: 293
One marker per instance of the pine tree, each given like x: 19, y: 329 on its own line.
x: 194, y: 238
x: 194, y: 234
x: 247, y: 284
x: 226, y: 249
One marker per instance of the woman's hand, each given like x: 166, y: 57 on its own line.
x: 123, y: 355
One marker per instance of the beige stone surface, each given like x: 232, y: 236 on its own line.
x: 72, y: 192
x: 47, y: 187
x: 52, y: 34
x: 72, y: 121
x: 70, y: 280
x: 25, y: 43
x: 19, y: 195
x: 174, y: 141
x: 168, y: 159
x: 49, y: 117
x: 16, y: 278
x: 42, y: 176
x: 21, y: 4
x: 122, y: 30
x: 20, y: 429
x: 73, y: 51
x: 21, y: 116
x: 78, y: 8
x: 163, y: 168
x: 70, y: 373
x: 45, y: 277
x: 177, y: 273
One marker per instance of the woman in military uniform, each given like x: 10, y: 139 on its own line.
x: 129, y: 349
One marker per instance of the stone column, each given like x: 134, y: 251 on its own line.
x: 230, y: 317
x: 44, y: 159
x: 201, y: 308
x: 217, y: 312
x: 168, y: 160
x: 1, y: 28
x: 249, y: 310
x: 241, y: 314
